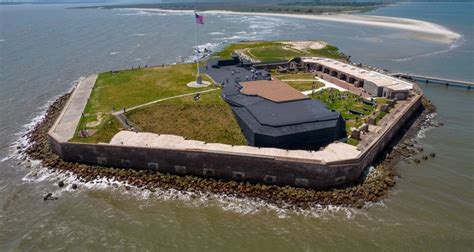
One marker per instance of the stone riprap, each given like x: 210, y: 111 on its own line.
x: 335, y: 165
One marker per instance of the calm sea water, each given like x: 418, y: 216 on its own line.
x: 45, y: 49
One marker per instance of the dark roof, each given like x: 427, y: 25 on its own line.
x: 274, y: 114
x: 289, y: 113
x: 291, y: 124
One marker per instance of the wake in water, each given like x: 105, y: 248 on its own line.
x: 39, y: 173
x: 243, y: 198
x: 427, y: 125
x: 452, y: 47
x: 22, y: 140
x: 226, y: 202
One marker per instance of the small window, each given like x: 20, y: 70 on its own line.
x: 238, y: 175
x: 101, y: 160
x: 125, y: 163
x: 340, y: 180
x: 153, y: 166
x: 208, y: 172
x: 180, y: 169
x: 301, y: 182
x: 269, y: 179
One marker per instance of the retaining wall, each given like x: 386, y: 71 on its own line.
x: 369, y: 154
x: 222, y: 165
x: 255, y: 169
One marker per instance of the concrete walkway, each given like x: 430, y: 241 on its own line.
x: 127, y: 124
x: 65, y: 126
x: 326, y: 83
x: 164, y: 99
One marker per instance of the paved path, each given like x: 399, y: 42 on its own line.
x: 326, y: 83
x: 164, y: 99
x: 126, y: 123
x: 65, y: 126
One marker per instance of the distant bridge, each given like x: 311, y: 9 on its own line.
x: 435, y: 80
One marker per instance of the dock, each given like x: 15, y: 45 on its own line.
x: 435, y: 80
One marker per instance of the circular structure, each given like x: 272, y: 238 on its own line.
x: 195, y: 84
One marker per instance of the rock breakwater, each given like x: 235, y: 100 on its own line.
x: 372, y: 187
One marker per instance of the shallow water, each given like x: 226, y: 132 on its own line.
x: 45, y: 49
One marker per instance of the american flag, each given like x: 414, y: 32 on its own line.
x: 199, y: 19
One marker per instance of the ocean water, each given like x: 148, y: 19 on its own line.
x: 44, y: 49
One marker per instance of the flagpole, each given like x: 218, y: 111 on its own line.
x: 197, y: 48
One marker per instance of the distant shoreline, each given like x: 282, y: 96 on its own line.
x: 419, y: 29
x: 295, y: 8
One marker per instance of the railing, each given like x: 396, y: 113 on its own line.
x: 434, y: 80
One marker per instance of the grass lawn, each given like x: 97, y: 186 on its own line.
x: 270, y: 51
x: 134, y: 87
x: 344, y: 102
x: 274, y: 53
x: 209, y: 119
x: 129, y: 88
x: 103, y: 133
x: 293, y: 76
x: 228, y: 50
x: 305, y: 85
x: 328, y: 52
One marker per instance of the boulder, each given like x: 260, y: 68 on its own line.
x: 49, y: 196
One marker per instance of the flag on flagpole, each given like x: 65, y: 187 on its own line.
x: 199, y: 19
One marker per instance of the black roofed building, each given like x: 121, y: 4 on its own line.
x: 273, y: 114
x: 270, y: 112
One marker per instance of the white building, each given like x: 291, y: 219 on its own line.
x: 374, y: 83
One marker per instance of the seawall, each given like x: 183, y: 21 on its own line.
x: 278, y: 170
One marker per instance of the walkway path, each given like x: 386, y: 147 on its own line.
x: 164, y: 99
x: 343, y: 86
x: 122, y: 118
x: 326, y: 83
x: 64, y: 128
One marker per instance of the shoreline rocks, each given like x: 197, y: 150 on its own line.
x: 370, y: 188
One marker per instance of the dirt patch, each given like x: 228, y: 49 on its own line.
x: 305, y: 45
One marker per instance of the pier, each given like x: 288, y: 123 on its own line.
x: 435, y: 80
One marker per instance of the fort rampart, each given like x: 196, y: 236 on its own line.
x: 226, y: 165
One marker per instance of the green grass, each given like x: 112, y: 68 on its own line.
x: 128, y: 88
x: 379, y: 116
x: 294, y: 76
x: 305, y: 85
x: 352, y: 141
x: 270, y: 51
x: 210, y: 119
x: 228, y: 50
x: 329, y: 51
x: 274, y: 53
x: 381, y: 100
x: 103, y: 132
x: 344, y: 102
